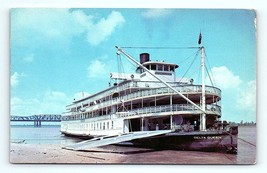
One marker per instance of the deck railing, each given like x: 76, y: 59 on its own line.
x: 185, y: 108
x: 153, y: 88
x: 175, y: 109
x: 157, y: 91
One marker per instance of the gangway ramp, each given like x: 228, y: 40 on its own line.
x: 107, y: 140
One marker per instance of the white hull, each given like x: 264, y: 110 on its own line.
x: 93, y: 128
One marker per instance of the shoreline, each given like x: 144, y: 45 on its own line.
x: 24, y: 150
x: 111, y: 154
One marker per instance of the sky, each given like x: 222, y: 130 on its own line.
x: 58, y: 54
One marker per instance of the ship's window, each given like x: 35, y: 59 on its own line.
x: 107, y: 125
x: 153, y: 67
x: 104, y: 125
x: 159, y: 67
x: 171, y: 68
x: 147, y: 66
x: 111, y: 124
x: 166, y: 68
x: 100, y: 126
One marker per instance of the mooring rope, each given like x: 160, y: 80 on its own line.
x: 247, y: 142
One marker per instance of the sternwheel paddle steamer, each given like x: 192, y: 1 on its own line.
x: 152, y: 108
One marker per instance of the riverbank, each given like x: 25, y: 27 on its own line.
x: 45, y: 146
x: 53, y: 153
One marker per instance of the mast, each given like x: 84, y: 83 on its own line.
x: 165, y: 83
x: 203, y: 95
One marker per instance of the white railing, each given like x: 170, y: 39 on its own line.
x: 156, y: 91
x: 212, y: 109
x: 176, y: 108
x: 184, y: 89
x: 142, y: 84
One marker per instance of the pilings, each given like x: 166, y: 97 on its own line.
x: 37, y: 123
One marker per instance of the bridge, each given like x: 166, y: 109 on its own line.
x: 37, y: 119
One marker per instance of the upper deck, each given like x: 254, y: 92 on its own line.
x: 133, y: 90
x: 142, y: 84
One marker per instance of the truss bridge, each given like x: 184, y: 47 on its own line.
x: 37, y: 119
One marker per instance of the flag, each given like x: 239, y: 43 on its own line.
x: 200, y: 39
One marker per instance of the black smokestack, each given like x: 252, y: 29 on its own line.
x: 144, y: 57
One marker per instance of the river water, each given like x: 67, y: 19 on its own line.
x: 51, y: 135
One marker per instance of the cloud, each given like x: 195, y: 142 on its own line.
x: 15, y: 79
x: 247, y: 97
x: 98, y: 68
x: 39, y: 27
x: 104, y: 28
x: 224, y: 78
x: 238, y: 95
x: 24, y: 107
x: 51, y: 102
x: 34, y: 27
x: 81, y: 95
x: 156, y: 13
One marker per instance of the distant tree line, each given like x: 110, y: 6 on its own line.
x: 242, y: 123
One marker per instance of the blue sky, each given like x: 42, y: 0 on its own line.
x: 58, y: 53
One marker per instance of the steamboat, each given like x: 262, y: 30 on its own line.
x: 152, y: 108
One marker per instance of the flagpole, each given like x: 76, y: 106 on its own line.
x: 203, y: 95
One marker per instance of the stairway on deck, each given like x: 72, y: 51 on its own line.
x: 106, y: 140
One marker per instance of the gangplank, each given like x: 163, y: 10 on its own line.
x: 107, y: 140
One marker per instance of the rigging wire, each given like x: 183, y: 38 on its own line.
x: 131, y: 62
x: 150, y: 77
x: 121, y: 65
x: 197, y: 69
x: 118, y: 63
x: 209, y: 76
x: 212, y: 77
x: 196, y: 54
x: 189, y: 66
x: 144, y: 47
x: 198, y: 79
x: 188, y: 57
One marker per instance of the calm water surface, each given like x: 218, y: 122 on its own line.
x: 39, y: 135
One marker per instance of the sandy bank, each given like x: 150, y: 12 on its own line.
x: 53, y: 153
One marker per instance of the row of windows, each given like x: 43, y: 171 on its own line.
x: 94, y: 126
x: 87, y: 115
x: 160, y: 67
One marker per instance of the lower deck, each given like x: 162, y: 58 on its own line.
x: 117, y: 126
